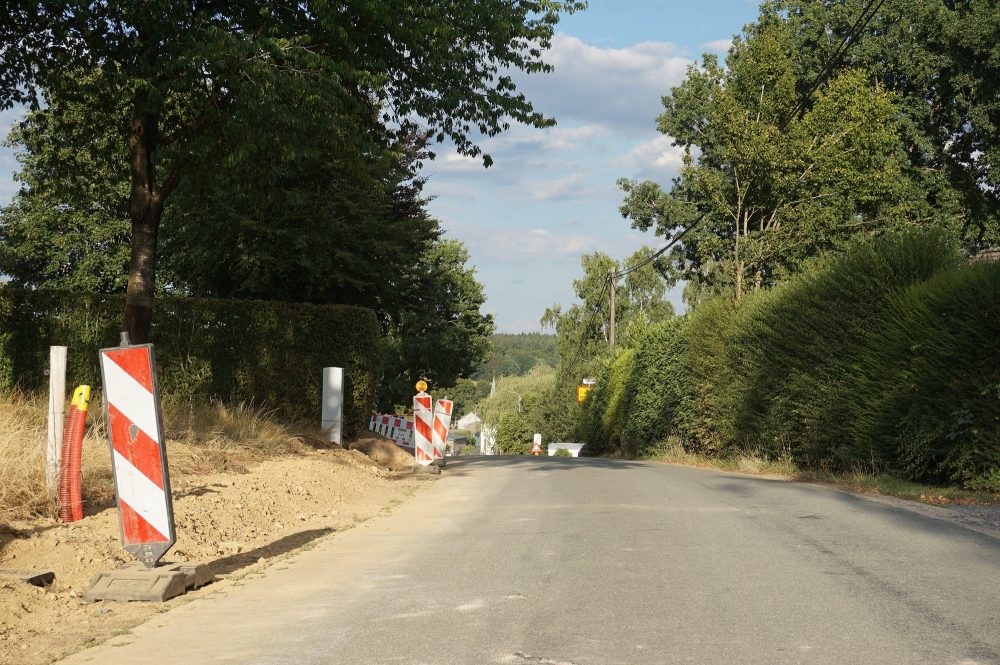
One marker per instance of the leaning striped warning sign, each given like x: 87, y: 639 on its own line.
x: 422, y: 417
x: 139, y: 457
x: 442, y: 422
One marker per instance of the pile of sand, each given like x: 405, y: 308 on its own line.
x: 237, y: 523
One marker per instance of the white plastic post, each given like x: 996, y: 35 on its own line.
x: 57, y: 418
x: 333, y: 403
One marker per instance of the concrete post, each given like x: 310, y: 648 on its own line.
x: 57, y: 418
x: 333, y: 403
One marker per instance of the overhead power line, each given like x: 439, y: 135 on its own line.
x: 867, y: 14
x: 660, y: 252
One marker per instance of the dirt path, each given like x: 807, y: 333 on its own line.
x: 238, y: 523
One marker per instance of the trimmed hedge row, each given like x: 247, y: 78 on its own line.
x: 269, y: 353
x: 886, y: 355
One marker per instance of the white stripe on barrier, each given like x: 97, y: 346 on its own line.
x: 142, y: 495
x: 130, y: 397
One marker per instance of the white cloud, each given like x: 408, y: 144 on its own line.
x: 617, y: 87
x: 655, y: 159
x: 506, y: 245
x: 570, y: 186
x: 719, y: 45
x: 456, y: 163
x: 450, y: 189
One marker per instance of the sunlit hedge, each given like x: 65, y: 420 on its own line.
x: 884, y: 355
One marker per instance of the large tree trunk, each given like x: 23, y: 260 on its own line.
x: 145, y: 210
x: 142, y: 275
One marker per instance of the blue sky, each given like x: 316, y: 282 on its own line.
x: 551, y: 195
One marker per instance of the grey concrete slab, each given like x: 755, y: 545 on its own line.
x: 135, y: 582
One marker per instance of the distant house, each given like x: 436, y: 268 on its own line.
x: 470, y: 422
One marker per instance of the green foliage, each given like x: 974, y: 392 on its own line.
x: 323, y: 230
x: 606, y: 407
x: 704, y: 339
x: 517, y: 354
x: 562, y: 452
x: 440, y: 334
x: 787, y: 370
x: 871, y: 151
x: 654, y: 389
x: 184, y: 88
x: 883, y: 356
x: 465, y: 394
x: 263, y: 352
x: 514, y: 435
x: 523, y: 405
x: 939, y: 61
x: 927, y: 396
x: 67, y: 227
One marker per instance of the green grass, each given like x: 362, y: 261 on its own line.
x: 859, y: 480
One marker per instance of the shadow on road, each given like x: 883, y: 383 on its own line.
x: 231, y: 564
x: 458, y: 466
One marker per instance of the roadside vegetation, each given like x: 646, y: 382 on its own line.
x: 832, y: 223
x: 203, y: 437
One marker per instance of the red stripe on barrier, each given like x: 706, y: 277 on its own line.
x: 135, y: 362
x: 440, y: 429
x: 143, y: 453
x: 424, y: 430
x: 135, y: 529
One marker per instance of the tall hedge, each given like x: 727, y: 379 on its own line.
x: 792, y: 352
x: 927, y: 394
x: 655, y: 388
x: 270, y: 353
x: 885, y: 354
x: 605, y: 407
x: 705, y: 338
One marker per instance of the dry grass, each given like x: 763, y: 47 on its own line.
x: 859, y: 480
x: 202, y: 437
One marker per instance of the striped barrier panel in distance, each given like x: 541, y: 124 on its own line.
x: 422, y: 429
x: 442, y: 423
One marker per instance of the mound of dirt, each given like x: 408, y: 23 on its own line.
x: 384, y: 453
x: 237, y: 523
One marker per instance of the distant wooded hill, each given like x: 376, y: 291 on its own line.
x: 516, y: 354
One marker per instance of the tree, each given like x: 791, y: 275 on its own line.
x: 901, y: 131
x: 583, y: 329
x: 67, y: 227
x: 523, y: 405
x: 180, y: 70
x: 517, y: 354
x: 440, y: 335
x: 327, y: 228
x: 762, y: 190
x: 939, y: 60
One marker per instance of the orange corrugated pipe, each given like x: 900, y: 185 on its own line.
x: 70, y: 476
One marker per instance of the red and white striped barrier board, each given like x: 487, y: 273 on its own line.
x: 422, y: 419
x: 400, y: 430
x: 139, y: 457
x: 442, y: 422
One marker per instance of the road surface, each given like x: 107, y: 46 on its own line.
x: 585, y: 561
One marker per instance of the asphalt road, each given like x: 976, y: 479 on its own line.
x: 565, y: 561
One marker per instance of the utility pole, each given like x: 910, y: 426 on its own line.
x: 614, y: 287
